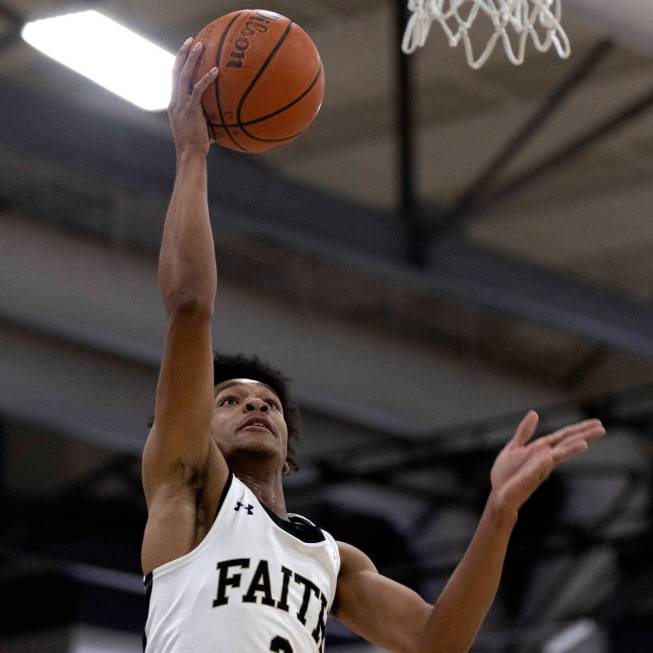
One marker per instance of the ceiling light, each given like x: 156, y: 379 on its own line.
x: 108, y: 53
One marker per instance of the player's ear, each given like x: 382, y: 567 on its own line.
x: 285, y: 469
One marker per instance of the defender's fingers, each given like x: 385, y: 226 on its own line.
x: 588, y: 427
x: 180, y: 59
x: 186, y: 75
x: 525, y: 429
x: 203, y: 83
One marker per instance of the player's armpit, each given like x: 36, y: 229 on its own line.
x: 179, y: 443
x: 378, y: 609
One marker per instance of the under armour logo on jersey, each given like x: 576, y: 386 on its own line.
x: 248, y: 507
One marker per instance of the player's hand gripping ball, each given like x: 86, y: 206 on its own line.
x: 270, y: 83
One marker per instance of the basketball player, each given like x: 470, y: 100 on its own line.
x: 228, y: 569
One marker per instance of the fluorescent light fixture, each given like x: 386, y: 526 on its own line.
x: 108, y: 53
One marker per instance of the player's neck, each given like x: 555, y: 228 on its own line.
x: 267, y: 487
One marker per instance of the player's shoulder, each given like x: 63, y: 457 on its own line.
x: 352, y: 559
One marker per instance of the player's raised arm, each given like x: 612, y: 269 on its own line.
x: 396, y: 618
x: 179, y: 444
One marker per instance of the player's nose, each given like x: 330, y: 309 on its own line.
x: 256, y: 404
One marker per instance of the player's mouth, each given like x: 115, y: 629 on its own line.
x: 257, y: 422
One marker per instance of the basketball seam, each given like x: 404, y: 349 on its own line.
x: 217, y: 81
x: 278, y: 111
x: 261, y: 70
x: 285, y: 138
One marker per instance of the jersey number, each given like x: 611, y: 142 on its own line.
x: 280, y: 645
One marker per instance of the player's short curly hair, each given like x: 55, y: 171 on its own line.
x: 240, y: 366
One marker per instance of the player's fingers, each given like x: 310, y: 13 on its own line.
x: 180, y: 59
x: 202, y: 84
x: 593, y: 433
x: 590, y: 428
x: 525, y: 429
x: 187, y: 70
x: 569, y: 449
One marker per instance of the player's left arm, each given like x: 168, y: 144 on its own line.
x: 396, y: 618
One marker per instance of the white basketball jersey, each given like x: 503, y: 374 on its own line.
x: 255, y: 584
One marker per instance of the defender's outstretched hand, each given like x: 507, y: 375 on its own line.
x: 522, y: 466
x: 185, y: 109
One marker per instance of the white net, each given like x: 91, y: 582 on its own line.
x: 513, y: 22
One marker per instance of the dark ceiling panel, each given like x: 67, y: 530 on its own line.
x: 271, y: 204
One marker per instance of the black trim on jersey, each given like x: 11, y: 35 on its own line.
x: 223, y: 496
x: 299, y: 527
x: 147, y: 581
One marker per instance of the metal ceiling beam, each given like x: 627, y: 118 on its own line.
x: 463, y: 208
x: 478, y: 441
x: 10, y: 14
x: 628, y: 22
x: 76, y: 313
x: 249, y: 196
x: 12, y: 35
x: 140, y: 161
x: 513, y: 285
x: 408, y: 205
x: 571, y: 150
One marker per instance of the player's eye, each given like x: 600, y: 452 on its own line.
x: 273, y: 403
x: 228, y: 401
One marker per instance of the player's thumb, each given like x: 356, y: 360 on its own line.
x: 526, y: 428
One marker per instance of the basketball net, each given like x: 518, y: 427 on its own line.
x: 514, y: 22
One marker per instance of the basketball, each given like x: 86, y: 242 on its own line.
x: 271, y: 80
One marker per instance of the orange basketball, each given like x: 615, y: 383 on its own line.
x: 271, y: 81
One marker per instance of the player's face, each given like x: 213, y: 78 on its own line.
x: 248, y: 419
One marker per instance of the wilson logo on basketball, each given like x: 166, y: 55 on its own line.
x: 256, y: 24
